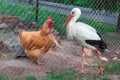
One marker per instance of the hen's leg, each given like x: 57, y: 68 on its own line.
x: 26, y: 53
x: 100, y: 72
x: 81, y: 70
x: 39, y: 62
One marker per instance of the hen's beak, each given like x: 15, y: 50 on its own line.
x: 68, y: 19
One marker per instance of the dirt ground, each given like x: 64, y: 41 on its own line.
x: 69, y: 57
x: 60, y: 59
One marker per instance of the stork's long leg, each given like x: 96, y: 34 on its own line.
x: 81, y: 70
x: 99, y: 61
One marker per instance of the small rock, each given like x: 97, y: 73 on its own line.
x: 4, y: 47
x: 3, y: 25
x: 19, y: 50
x: 22, y: 20
x: 19, y: 26
x: 115, y: 58
x: 33, y: 25
x: 104, y: 58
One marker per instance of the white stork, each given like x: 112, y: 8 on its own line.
x: 85, y: 35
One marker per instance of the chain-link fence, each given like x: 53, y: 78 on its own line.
x: 100, y: 14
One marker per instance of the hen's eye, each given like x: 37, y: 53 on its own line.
x: 72, y: 12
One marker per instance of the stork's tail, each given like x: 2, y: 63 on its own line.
x: 100, y: 44
x: 103, y: 46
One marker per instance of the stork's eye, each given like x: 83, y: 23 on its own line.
x: 73, y: 12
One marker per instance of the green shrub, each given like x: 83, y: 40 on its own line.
x: 28, y: 12
x: 109, y: 5
x: 30, y: 78
x: 113, y: 69
x: 83, y: 3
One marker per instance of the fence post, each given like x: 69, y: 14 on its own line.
x: 37, y: 5
x: 118, y: 24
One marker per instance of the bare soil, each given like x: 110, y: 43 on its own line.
x: 61, y: 59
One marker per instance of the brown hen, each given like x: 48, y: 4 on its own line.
x: 37, y: 43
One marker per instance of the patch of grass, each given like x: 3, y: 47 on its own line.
x: 105, y: 78
x: 111, y: 68
x: 73, y: 75
x: 28, y: 12
x: 66, y: 75
x: 5, y: 77
x: 31, y: 78
x: 92, y: 76
x: 114, y: 68
x: 1, y: 77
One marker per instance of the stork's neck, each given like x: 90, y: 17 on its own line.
x: 73, y: 20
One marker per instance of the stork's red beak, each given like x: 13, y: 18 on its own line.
x: 68, y: 19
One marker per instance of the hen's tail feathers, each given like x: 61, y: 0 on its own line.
x: 20, y: 32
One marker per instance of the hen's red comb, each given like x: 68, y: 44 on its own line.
x: 50, y: 18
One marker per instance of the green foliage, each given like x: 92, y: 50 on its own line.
x: 5, y: 77
x: 113, y: 69
x: 105, y: 78
x: 30, y: 78
x: 67, y: 75
x: 118, y: 6
x: 83, y: 3
x: 69, y: 2
x: 1, y: 77
x: 109, y: 5
x: 28, y: 12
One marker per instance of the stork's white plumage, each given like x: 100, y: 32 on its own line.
x: 85, y: 35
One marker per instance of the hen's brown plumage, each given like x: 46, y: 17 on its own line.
x: 37, y: 43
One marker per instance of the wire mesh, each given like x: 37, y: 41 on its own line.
x: 100, y: 14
